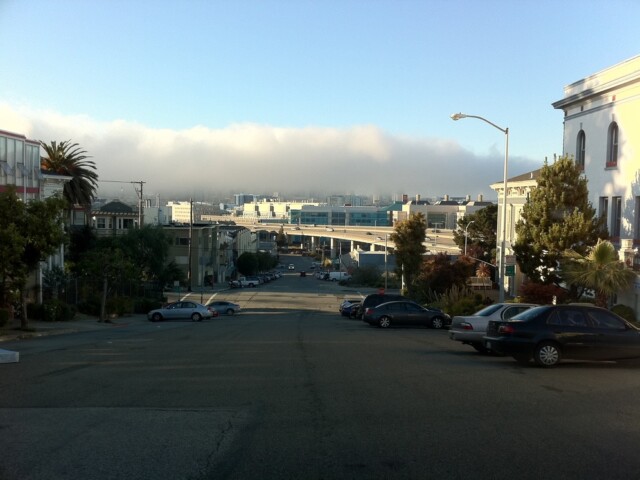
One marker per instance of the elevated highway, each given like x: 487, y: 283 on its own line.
x: 365, y: 238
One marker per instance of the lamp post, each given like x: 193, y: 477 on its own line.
x: 465, y: 236
x: 386, y: 272
x: 458, y: 116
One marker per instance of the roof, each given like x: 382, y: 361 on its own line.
x: 115, y: 207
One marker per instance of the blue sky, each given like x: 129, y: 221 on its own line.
x: 307, y: 97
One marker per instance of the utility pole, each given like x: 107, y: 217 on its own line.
x: 190, y: 242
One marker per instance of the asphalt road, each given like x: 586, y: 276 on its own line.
x: 290, y: 390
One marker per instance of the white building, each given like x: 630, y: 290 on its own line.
x: 602, y: 133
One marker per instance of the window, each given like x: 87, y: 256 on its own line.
x: 101, y: 223
x: 616, y: 216
x: 612, y: 145
x: 580, y: 148
x: 604, y: 209
x: 605, y: 319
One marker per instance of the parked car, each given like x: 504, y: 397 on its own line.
x: 375, y: 299
x: 182, y: 310
x: 350, y: 310
x: 303, y: 273
x: 292, y: 266
x: 549, y: 333
x: 405, y: 312
x: 224, y: 307
x: 348, y: 301
x: 469, y: 329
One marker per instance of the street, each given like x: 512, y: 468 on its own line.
x: 289, y: 389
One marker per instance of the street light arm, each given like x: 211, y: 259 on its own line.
x: 458, y: 116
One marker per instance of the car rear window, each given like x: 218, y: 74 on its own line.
x: 529, y: 314
x: 487, y: 311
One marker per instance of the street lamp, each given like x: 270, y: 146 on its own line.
x: 458, y: 116
x: 465, y: 236
x: 386, y: 272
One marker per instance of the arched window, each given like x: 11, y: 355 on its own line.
x: 612, y: 145
x: 580, y: 148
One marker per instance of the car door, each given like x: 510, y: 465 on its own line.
x: 188, y: 309
x: 398, y: 312
x: 571, y: 328
x: 173, y: 310
x: 416, y: 315
x: 616, y: 339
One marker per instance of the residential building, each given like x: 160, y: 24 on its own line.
x: 518, y: 192
x: 114, y: 218
x: 20, y: 168
x: 187, y: 212
x: 602, y: 133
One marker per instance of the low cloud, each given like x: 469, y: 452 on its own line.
x: 206, y: 163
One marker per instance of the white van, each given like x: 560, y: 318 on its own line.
x: 337, y: 276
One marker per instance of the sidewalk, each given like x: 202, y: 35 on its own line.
x: 80, y: 323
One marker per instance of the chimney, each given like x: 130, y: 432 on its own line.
x: 446, y: 198
x: 418, y: 198
x: 480, y: 197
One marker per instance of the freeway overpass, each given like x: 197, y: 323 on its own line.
x: 366, y: 238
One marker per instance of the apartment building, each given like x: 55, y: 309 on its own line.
x: 602, y: 133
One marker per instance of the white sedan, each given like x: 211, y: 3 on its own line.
x: 469, y: 329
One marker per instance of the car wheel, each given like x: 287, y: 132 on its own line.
x: 230, y: 311
x: 156, y: 317
x: 384, y: 322
x: 547, y: 354
x: 437, y: 323
x: 196, y: 317
x: 522, y: 358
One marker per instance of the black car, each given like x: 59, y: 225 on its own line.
x: 549, y: 333
x: 405, y: 312
x: 375, y: 299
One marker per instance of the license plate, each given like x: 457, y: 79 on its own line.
x: 487, y: 344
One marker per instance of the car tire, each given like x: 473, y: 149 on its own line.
x: 156, y: 317
x: 196, y: 317
x: 230, y: 311
x: 437, y: 323
x: 547, y: 354
x: 522, y: 358
x: 384, y: 322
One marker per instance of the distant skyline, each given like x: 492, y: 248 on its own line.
x: 206, y: 98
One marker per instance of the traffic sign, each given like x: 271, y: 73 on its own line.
x: 510, y: 270
x: 509, y: 260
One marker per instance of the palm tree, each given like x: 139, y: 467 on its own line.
x: 68, y: 158
x: 600, y: 270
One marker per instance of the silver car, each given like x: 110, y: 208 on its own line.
x: 182, y: 310
x: 469, y: 329
x: 224, y: 308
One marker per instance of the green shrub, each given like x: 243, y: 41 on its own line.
x: 119, y: 306
x: 35, y: 311
x: 55, y: 310
x: 5, y: 315
x: 625, y: 312
x: 143, y: 305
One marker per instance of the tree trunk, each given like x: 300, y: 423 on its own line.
x: 103, y: 302
x: 24, y: 321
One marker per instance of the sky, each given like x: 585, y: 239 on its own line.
x: 204, y: 98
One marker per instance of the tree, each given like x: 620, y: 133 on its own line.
x: 281, y: 238
x: 408, y: 237
x: 68, y: 158
x: 558, y: 217
x: 247, y: 263
x: 600, y: 271
x: 438, y: 275
x: 481, y: 234
x: 29, y: 233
